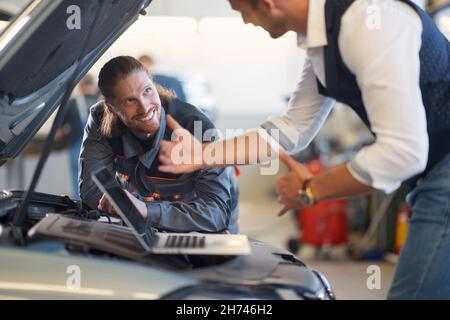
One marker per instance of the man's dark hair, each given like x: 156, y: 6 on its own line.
x: 114, y: 70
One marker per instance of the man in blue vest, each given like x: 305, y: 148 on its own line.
x: 388, y: 61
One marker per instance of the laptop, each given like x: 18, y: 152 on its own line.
x: 162, y: 242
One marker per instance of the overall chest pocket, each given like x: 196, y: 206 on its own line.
x: 124, y: 172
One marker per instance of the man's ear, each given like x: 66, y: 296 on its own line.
x: 268, y: 5
x: 273, y: 6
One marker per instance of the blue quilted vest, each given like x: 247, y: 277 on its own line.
x: 434, y: 78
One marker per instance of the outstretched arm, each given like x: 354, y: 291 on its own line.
x: 187, y: 154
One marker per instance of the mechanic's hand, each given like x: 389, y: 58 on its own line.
x: 181, y: 155
x: 289, y: 185
x: 105, y: 205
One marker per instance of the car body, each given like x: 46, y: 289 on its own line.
x: 40, y: 59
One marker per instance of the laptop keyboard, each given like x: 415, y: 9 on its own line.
x: 185, y: 241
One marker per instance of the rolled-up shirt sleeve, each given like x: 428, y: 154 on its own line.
x: 307, y: 111
x: 387, y: 69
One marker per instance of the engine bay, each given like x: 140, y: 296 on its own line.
x: 114, y: 241
x: 265, y: 269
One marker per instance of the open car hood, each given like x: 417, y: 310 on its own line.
x: 39, y: 53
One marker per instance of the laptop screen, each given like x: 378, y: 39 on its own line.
x: 122, y: 203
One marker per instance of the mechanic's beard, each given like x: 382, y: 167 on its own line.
x: 151, y: 126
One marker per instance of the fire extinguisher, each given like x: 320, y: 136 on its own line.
x: 401, y: 227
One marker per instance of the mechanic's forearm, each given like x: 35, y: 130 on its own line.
x: 183, y: 217
x: 337, y: 183
x: 248, y: 148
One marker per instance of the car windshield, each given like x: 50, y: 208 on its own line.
x: 9, y: 9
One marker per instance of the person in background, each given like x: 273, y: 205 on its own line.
x: 88, y: 95
x: 71, y: 132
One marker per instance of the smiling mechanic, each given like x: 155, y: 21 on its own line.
x: 123, y: 134
x: 388, y: 61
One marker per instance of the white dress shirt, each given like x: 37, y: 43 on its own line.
x: 384, y: 57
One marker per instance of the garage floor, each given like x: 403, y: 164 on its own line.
x: 348, y: 278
